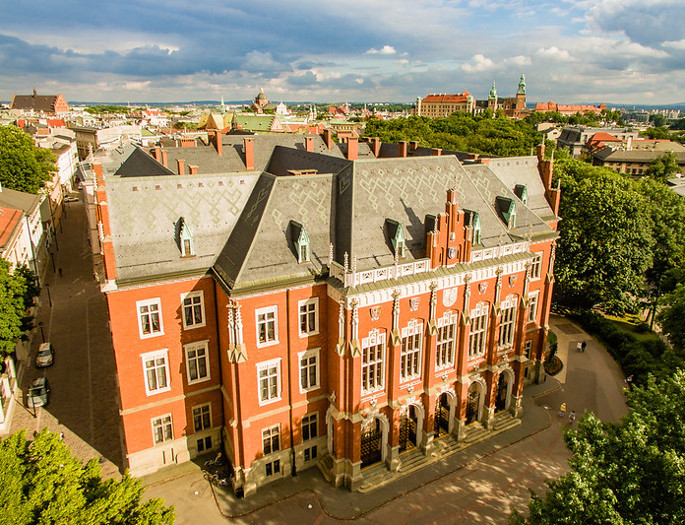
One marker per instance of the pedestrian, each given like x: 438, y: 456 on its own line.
x: 579, y: 347
x: 572, y: 417
x: 61, y: 436
x: 59, y: 270
x: 562, y: 410
x: 583, y: 345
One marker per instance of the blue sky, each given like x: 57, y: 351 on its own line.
x: 620, y: 51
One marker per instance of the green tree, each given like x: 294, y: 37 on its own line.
x: 672, y: 315
x: 43, y: 483
x: 23, y: 166
x: 658, y: 120
x: 663, y: 167
x: 14, y: 293
x: 627, y: 473
x: 606, y: 241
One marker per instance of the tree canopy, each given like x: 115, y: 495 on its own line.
x: 16, y: 295
x: 23, y: 166
x: 42, y: 482
x: 672, y: 317
x: 627, y: 473
x: 663, y: 167
x: 483, y: 134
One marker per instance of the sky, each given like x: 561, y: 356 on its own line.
x: 571, y: 51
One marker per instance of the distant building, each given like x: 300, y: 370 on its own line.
x: 261, y: 104
x: 513, y: 107
x: 569, y: 109
x: 89, y: 139
x: 442, y: 105
x: 40, y: 104
x: 573, y: 138
x: 636, y: 160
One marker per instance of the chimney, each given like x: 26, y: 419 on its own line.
x: 402, y: 144
x: 158, y: 154
x: 218, y: 143
x: 193, y: 170
x: 352, y: 148
x: 413, y: 145
x: 327, y: 138
x: 629, y: 143
x: 164, y: 155
x: 541, y: 151
x: 181, y: 166
x: 249, y: 153
x: 484, y: 160
x: 376, y: 146
x: 309, y: 144
x: 437, y: 152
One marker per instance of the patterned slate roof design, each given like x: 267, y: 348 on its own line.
x: 143, y: 220
x: 140, y: 163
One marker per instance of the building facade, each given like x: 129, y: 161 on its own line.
x: 319, y: 304
x: 441, y: 105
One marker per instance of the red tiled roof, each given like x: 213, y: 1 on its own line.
x: 604, y: 137
x: 56, y: 123
x: 444, y: 98
x: 9, y: 218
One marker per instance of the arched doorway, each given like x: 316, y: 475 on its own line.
x: 372, y: 443
x: 473, y: 403
x: 442, y: 415
x: 409, y: 429
x: 503, y: 391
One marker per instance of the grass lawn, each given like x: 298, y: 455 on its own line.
x: 629, y: 323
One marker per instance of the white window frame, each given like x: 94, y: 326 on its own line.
x: 477, y: 338
x: 534, y: 302
x: 149, y: 302
x: 411, y: 350
x: 536, y: 266
x: 154, y: 356
x: 269, y: 433
x: 376, y: 380
x: 445, y: 345
x: 192, y: 296
x: 307, y: 303
x: 265, y: 311
x: 201, y: 408
x: 199, y: 345
x: 266, y: 365
x: 308, y: 354
x: 312, y: 417
x: 507, y: 326
x: 162, y: 424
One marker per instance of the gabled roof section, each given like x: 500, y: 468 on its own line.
x: 284, y: 160
x: 140, y: 164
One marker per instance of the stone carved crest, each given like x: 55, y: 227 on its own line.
x: 375, y: 313
x: 482, y: 288
x: 513, y: 279
x: 414, y: 304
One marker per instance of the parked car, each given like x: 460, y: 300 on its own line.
x: 46, y: 355
x: 70, y: 199
x: 38, y: 393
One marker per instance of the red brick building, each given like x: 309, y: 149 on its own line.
x: 40, y: 104
x: 302, y: 302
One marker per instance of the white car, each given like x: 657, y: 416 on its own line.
x: 38, y: 393
x: 46, y: 355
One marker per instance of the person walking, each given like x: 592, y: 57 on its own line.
x: 572, y: 417
x: 579, y: 347
x: 582, y: 346
x: 562, y: 410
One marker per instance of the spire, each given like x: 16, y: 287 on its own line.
x: 493, y: 91
x: 223, y: 106
x: 522, y: 86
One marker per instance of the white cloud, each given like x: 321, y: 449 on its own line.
x: 479, y: 63
x: 675, y: 44
x: 520, y: 60
x: 385, y: 50
x: 137, y: 85
x: 554, y: 53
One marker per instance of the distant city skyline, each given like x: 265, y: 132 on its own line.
x: 571, y: 51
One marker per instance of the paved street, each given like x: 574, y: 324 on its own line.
x: 476, y: 486
x: 83, y: 393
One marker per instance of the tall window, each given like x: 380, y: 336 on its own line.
x: 410, y: 355
x: 373, y: 355
x: 309, y: 370
x: 271, y: 440
x: 309, y: 317
x: 202, y: 418
x: 162, y: 429
x: 536, y: 266
x: 533, y: 307
x: 269, y: 374
x: 150, y: 318
x: 528, y: 349
x: 447, y: 331
x: 266, y: 326
x: 508, y: 324
x: 310, y: 427
x: 193, y: 310
x: 197, y: 362
x: 477, y: 334
x: 156, y: 369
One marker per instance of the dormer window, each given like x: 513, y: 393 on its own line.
x: 507, y: 209
x: 397, y: 237
x: 301, y: 240
x: 521, y: 191
x: 185, y: 239
x: 473, y: 220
